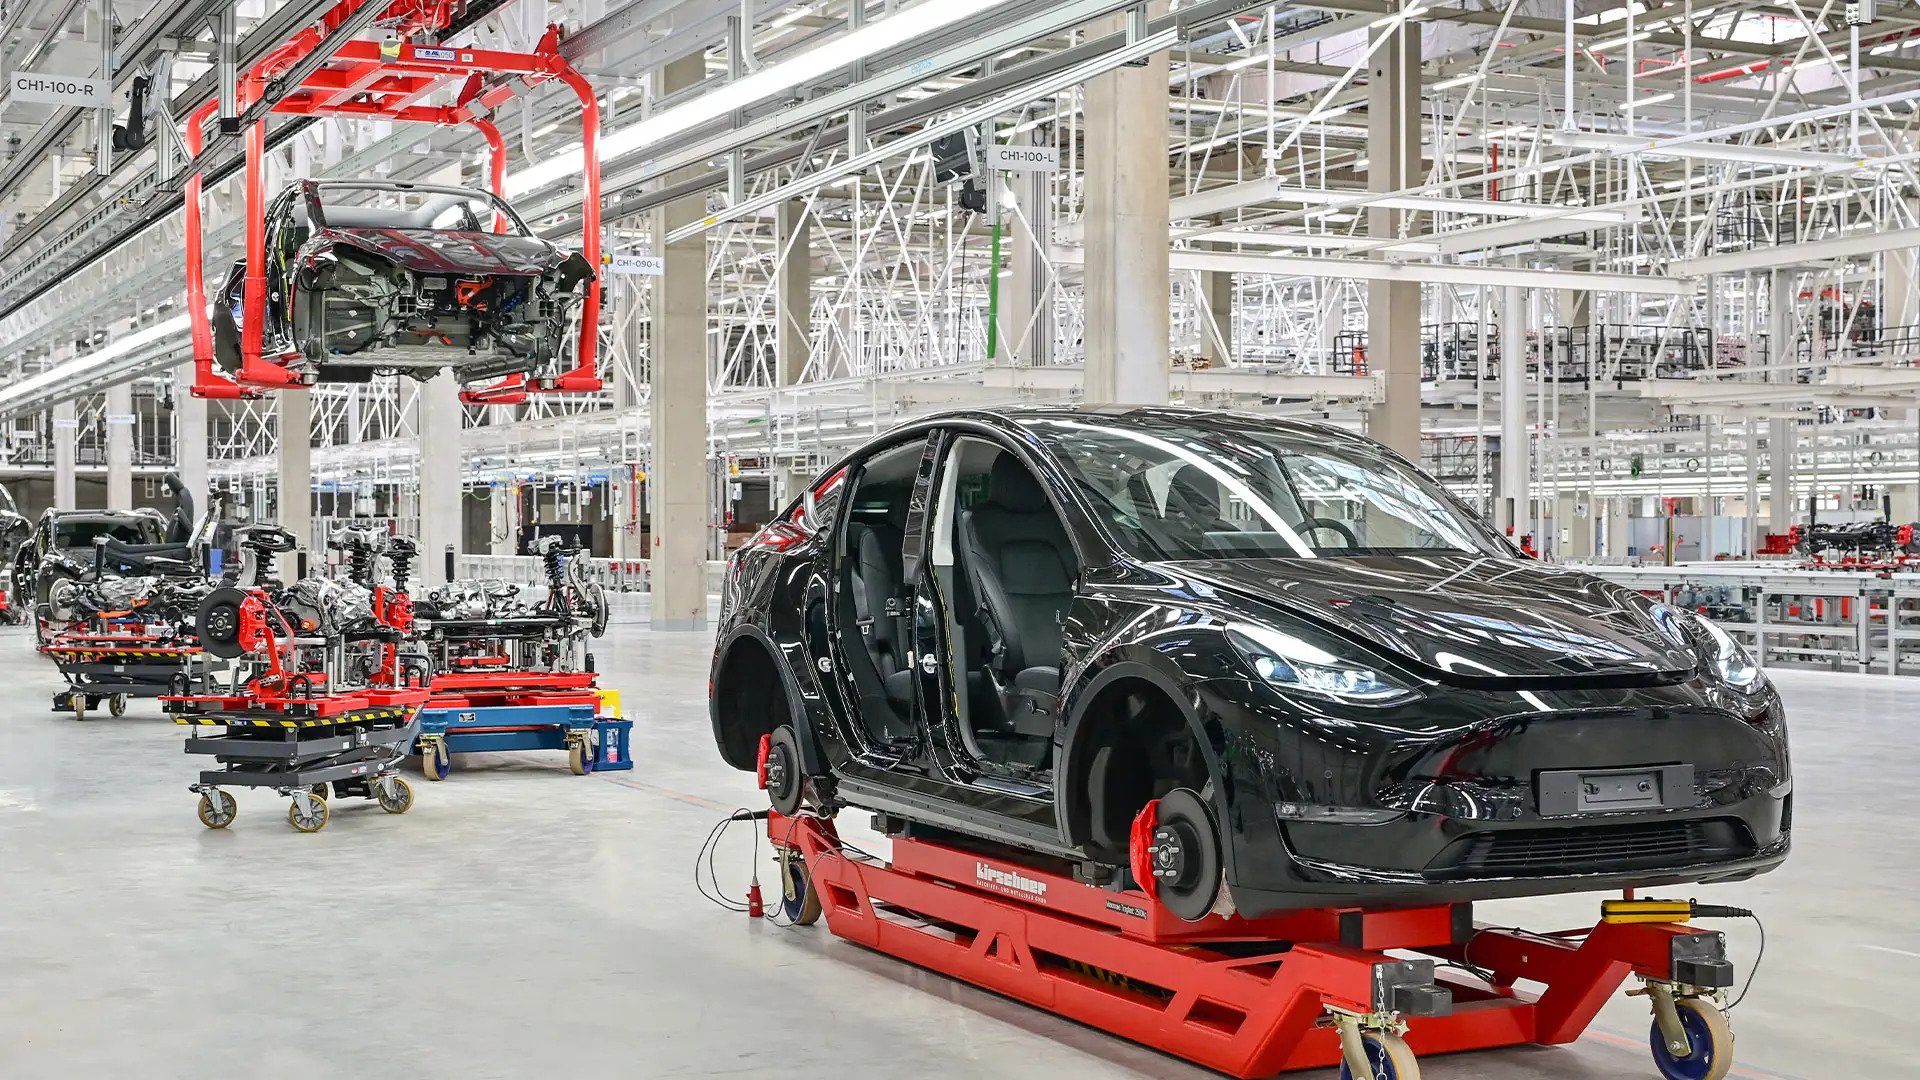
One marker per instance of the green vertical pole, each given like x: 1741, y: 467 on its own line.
x: 993, y: 291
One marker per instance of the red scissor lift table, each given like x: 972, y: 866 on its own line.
x: 377, y: 80
x: 1246, y: 997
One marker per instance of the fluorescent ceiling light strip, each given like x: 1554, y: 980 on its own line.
x: 1650, y: 99
x: 1615, y: 43
x: 114, y: 350
x: 927, y: 17
x: 1700, y: 151
x: 1433, y: 203
x: 1457, y: 80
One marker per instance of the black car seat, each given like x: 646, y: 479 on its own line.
x: 873, y: 552
x: 180, y: 528
x: 1021, y: 567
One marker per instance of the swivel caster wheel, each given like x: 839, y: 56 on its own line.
x: 394, y: 794
x: 436, y: 761
x: 117, y: 705
x: 308, y: 812
x: 78, y: 703
x: 579, y: 757
x: 799, y: 903
x: 217, y: 809
x: 1709, y: 1054
x: 1388, y: 1058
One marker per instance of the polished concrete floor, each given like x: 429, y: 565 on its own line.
x: 523, y: 922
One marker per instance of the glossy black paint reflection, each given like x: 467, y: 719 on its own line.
x: 1518, y: 668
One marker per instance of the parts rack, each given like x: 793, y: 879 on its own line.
x: 1254, y: 997
x: 343, y: 744
x: 478, y: 711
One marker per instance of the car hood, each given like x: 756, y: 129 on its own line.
x: 462, y: 253
x: 1466, y: 616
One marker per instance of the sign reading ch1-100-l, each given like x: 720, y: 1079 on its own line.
x: 1023, y: 158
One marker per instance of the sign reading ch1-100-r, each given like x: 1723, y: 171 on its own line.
x: 88, y: 93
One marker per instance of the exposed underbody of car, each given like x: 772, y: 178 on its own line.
x: 365, y: 293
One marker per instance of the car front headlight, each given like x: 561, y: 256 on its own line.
x: 1728, y: 658
x: 1300, y: 666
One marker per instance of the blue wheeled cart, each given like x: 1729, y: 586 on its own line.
x: 483, y: 719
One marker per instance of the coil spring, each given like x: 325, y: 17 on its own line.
x: 360, y: 565
x: 556, y: 566
x: 400, y: 557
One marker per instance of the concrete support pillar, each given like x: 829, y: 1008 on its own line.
x: 1512, y: 512
x: 120, y: 447
x: 1128, y: 257
x: 677, y: 479
x: 190, y: 435
x: 1393, y: 307
x: 437, y: 424
x: 792, y: 291
x: 66, y: 448
x: 1216, y: 295
x: 1781, y: 331
x: 295, y: 478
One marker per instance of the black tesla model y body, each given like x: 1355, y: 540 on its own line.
x: 1310, y: 674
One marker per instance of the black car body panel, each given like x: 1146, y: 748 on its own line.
x: 1498, y: 682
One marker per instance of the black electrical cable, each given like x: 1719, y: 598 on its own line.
x: 1758, y: 956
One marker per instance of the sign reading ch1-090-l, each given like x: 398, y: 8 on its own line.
x: 88, y: 93
x: 1023, y: 158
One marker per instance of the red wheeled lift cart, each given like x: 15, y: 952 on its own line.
x: 383, y: 81
x: 1362, y: 990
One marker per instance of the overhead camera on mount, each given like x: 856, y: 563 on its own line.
x: 956, y: 157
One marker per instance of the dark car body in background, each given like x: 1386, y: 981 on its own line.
x: 366, y: 277
x: 1377, y: 699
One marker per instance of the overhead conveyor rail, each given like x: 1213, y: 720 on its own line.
x: 325, y: 71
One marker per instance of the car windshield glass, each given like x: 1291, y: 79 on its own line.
x: 6, y: 501
x: 352, y: 206
x: 1234, y: 491
x: 69, y: 534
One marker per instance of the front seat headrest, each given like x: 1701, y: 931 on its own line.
x: 1197, y: 489
x: 1012, y: 486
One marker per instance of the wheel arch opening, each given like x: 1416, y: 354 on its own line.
x: 749, y: 701
x: 1132, y: 744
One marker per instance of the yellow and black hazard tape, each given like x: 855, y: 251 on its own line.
x: 361, y: 717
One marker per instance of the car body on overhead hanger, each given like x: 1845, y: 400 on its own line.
x: 1254, y: 663
x: 368, y: 277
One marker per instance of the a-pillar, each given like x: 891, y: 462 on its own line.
x: 120, y: 446
x: 66, y: 445
x: 677, y: 479
x: 1513, y: 507
x: 793, y: 324
x: 1393, y: 307
x: 295, y: 479
x: 1128, y: 258
x: 1780, y: 352
x: 437, y: 423
x: 190, y: 436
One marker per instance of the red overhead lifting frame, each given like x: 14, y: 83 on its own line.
x: 383, y: 81
x: 1245, y: 997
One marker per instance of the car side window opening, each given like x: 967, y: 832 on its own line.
x: 1205, y: 494
x: 873, y: 595
x: 1008, y: 571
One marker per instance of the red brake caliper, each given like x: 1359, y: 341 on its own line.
x: 760, y: 766
x: 1139, y: 839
